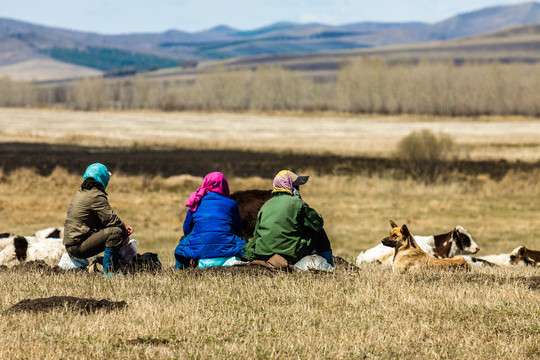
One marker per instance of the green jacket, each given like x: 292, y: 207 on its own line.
x: 283, y: 227
x: 88, y: 212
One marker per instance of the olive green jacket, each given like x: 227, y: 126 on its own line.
x: 88, y: 212
x: 284, y: 226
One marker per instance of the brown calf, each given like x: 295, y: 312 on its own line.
x: 525, y: 256
x: 249, y: 204
x: 408, y: 256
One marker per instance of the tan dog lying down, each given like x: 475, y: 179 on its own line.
x: 408, y: 256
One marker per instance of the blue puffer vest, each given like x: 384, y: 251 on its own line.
x: 213, y: 230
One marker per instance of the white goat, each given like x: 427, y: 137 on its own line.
x: 17, y: 249
x: 515, y: 258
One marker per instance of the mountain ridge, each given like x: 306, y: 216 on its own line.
x: 21, y: 41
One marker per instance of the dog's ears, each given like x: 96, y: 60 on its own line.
x: 405, y: 230
x: 393, y: 224
x: 522, y: 251
x: 407, y: 234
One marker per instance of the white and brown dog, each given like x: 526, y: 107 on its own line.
x: 408, y: 256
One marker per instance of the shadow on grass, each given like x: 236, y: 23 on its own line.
x: 532, y: 282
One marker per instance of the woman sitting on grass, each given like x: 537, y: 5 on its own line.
x: 287, y: 226
x: 91, y: 225
x: 212, y: 226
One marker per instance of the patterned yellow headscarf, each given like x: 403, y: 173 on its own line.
x: 283, y: 182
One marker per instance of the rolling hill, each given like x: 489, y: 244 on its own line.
x: 21, y: 42
x: 508, y: 45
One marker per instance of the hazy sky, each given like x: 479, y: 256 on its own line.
x: 127, y: 16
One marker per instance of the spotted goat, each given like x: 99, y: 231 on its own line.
x: 520, y: 256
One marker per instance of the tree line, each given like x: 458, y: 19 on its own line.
x: 364, y: 85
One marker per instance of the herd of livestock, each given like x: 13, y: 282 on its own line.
x: 401, y: 250
x: 455, y: 244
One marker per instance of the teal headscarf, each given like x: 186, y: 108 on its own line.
x: 99, y: 172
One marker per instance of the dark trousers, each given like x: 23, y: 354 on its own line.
x: 319, y: 243
x: 111, y: 237
x: 182, y: 260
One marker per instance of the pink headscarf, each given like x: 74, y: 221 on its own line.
x: 213, y: 182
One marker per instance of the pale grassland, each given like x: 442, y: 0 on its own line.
x: 487, y: 314
x: 512, y: 138
x: 484, y: 314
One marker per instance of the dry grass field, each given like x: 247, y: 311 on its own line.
x: 352, y: 315
x: 487, y: 313
x: 512, y: 138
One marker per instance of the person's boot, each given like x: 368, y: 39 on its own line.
x: 328, y: 256
x: 108, y: 257
x: 178, y: 265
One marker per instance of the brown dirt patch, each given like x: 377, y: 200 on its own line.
x: 147, y: 262
x: 341, y: 265
x: 144, y: 340
x: 231, y: 271
x: 534, y: 283
x: 37, y: 265
x: 81, y: 305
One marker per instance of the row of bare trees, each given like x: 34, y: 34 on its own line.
x: 362, y: 86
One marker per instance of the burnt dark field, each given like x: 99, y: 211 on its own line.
x: 44, y: 158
